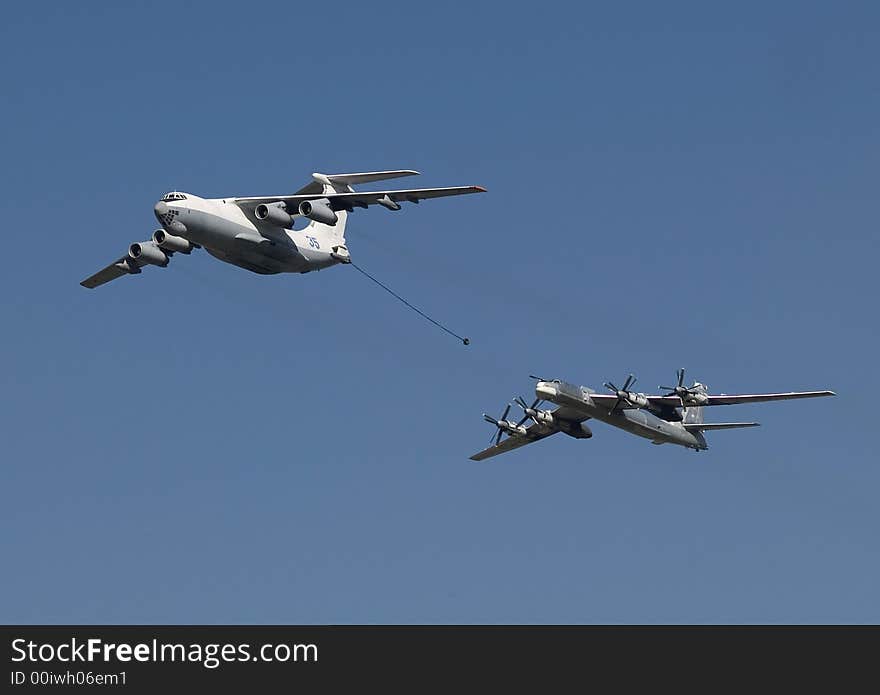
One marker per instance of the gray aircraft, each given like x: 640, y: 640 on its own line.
x: 675, y: 417
x: 257, y: 233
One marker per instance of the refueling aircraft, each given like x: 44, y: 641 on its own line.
x: 675, y: 417
x: 257, y: 233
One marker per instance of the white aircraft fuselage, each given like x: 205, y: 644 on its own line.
x: 228, y: 233
x: 259, y: 233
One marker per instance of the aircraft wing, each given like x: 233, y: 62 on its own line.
x: 724, y: 399
x: 661, y: 402
x: 115, y: 270
x: 361, y: 199
x: 534, y: 433
x: 145, y: 253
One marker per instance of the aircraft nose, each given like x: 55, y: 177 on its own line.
x: 167, y: 217
x: 545, y: 389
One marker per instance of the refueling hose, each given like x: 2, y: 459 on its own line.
x: 465, y: 341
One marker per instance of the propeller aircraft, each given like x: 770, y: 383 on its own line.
x: 675, y: 417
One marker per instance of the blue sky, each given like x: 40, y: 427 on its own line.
x: 669, y: 186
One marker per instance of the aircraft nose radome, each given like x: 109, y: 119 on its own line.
x: 160, y: 209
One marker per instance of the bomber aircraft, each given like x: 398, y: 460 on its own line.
x: 675, y: 417
x: 257, y: 233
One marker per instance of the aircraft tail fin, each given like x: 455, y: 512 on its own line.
x: 693, y: 415
x: 331, y: 234
x: 342, y: 183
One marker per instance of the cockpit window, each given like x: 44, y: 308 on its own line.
x: 174, y: 195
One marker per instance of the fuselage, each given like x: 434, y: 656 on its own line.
x: 232, y: 234
x: 637, y: 421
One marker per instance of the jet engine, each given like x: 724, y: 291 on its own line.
x: 147, y: 252
x: 276, y: 213
x: 169, y: 242
x: 318, y: 210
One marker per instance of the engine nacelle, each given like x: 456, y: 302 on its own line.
x: 318, y: 210
x: 694, y: 398
x: 512, y: 427
x: 144, y: 252
x: 544, y: 417
x: 169, y: 242
x: 276, y: 213
x: 637, y: 400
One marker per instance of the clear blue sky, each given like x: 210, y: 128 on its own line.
x: 668, y: 186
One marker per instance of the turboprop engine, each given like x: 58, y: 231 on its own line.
x: 532, y: 412
x: 143, y: 252
x: 169, y: 242
x: 318, y: 210
x: 504, y: 425
x: 624, y: 395
x: 545, y: 418
x: 276, y: 213
x: 695, y: 395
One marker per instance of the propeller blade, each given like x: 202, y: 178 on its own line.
x: 630, y: 380
x: 489, y: 418
x: 676, y: 390
x: 611, y: 387
x: 506, y: 412
x: 521, y: 402
x: 498, y: 438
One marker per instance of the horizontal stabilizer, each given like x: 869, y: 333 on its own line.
x: 367, y: 176
x: 341, y: 182
x: 708, y: 426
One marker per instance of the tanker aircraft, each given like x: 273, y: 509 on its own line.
x: 675, y: 417
x: 257, y: 233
